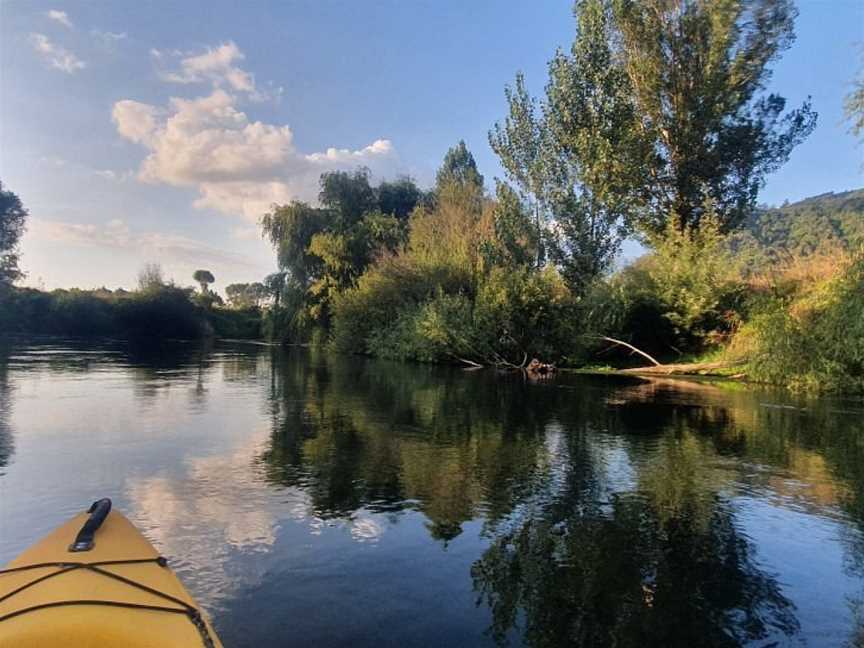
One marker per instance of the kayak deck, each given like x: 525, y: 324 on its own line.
x: 119, y: 593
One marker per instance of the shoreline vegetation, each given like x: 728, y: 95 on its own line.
x: 664, y: 140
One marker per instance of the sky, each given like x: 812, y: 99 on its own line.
x: 139, y: 132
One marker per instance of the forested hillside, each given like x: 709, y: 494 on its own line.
x: 827, y: 221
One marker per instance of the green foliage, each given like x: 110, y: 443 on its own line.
x: 324, y: 250
x: 12, y: 222
x: 290, y: 229
x: 442, y: 255
x: 150, y: 278
x: 163, y: 312
x: 515, y: 316
x: 853, y: 106
x: 813, y: 340
x: 207, y: 300
x: 236, y: 323
x: 459, y: 168
x: 565, y: 154
x: 517, y: 241
x: 695, y: 278
x: 654, y: 113
x: 246, y: 295
x: 463, y: 289
x: 287, y: 320
x: 526, y: 312
x: 400, y: 197
x: 348, y: 195
x: 832, y: 221
x: 695, y: 70
x: 686, y: 296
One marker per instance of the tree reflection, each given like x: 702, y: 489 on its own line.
x: 610, y: 507
x: 663, y: 565
x: 391, y: 437
x: 7, y: 443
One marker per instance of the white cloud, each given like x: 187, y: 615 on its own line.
x: 107, y: 38
x: 114, y: 176
x: 216, y: 66
x: 135, y: 121
x: 60, y: 16
x: 56, y: 56
x: 117, y: 235
x: 237, y: 165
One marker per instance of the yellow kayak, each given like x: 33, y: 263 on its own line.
x: 93, y: 582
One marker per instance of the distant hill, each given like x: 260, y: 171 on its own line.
x: 803, y: 227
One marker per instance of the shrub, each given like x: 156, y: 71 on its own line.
x: 696, y: 280
x: 813, y: 340
x: 164, y: 312
x: 236, y: 323
x: 158, y: 312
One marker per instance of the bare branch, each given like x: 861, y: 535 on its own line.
x: 624, y: 344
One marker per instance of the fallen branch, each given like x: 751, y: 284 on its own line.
x: 470, y: 363
x: 684, y: 368
x: 625, y: 344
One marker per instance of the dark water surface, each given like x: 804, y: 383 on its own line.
x: 314, y: 500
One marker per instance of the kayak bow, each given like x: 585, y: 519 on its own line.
x: 93, y: 582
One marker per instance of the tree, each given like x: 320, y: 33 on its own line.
x: 204, y: 279
x: 245, y: 295
x: 459, y: 167
x: 325, y: 249
x: 655, y: 113
x: 274, y: 285
x: 349, y: 195
x: 854, y: 106
x: 399, y: 197
x: 150, y: 278
x: 12, y: 217
x: 290, y: 229
x: 695, y: 70
x: 563, y: 153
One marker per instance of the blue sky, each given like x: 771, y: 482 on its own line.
x: 147, y: 131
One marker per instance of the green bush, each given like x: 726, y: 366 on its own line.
x: 685, y: 296
x: 814, y: 340
x: 440, y: 329
x: 516, y: 313
x: 696, y: 279
x: 160, y: 312
x: 236, y: 323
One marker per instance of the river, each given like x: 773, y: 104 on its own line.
x: 307, y: 499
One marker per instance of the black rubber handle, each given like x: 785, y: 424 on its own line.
x: 98, y: 511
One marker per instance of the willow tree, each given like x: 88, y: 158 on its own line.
x: 12, y: 217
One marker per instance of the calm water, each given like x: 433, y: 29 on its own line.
x: 312, y: 500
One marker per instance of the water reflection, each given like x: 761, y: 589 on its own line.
x: 7, y: 446
x: 471, y: 507
x: 665, y: 565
